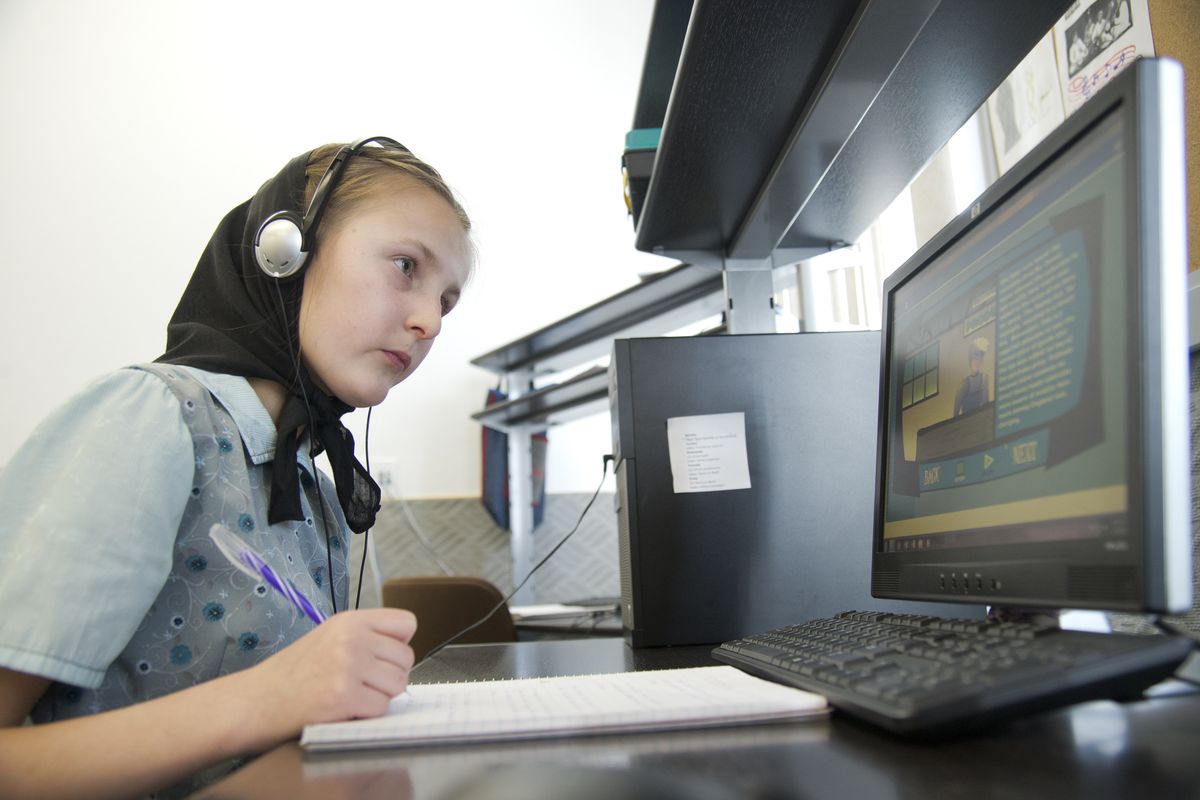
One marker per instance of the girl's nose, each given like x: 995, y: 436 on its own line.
x: 425, y: 319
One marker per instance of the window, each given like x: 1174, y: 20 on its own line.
x: 920, y: 376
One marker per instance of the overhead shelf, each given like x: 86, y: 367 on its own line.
x: 659, y: 304
x: 795, y: 123
x: 668, y: 26
x: 583, y: 395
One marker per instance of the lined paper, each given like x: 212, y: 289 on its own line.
x: 530, y: 708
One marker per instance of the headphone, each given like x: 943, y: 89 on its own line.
x: 285, y: 239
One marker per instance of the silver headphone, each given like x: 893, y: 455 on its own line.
x: 285, y: 239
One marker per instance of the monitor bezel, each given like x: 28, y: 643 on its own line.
x: 1149, y: 94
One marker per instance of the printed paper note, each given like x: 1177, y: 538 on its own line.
x: 708, y: 453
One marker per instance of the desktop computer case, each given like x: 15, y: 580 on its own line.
x: 706, y: 567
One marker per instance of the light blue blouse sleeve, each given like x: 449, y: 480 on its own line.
x: 89, y: 509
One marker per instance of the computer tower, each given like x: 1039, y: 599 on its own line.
x: 702, y: 567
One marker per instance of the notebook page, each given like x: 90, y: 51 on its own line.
x: 573, y: 705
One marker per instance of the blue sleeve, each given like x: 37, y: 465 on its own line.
x: 91, y: 505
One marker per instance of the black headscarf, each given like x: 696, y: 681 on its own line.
x: 235, y: 319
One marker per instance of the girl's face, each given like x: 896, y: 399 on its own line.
x: 375, y: 294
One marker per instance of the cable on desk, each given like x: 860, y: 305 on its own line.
x: 434, y: 650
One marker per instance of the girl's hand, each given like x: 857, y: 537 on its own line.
x: 348, y: 667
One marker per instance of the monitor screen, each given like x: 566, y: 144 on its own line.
x: 1033, y: 407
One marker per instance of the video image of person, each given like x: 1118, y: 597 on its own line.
x: 973, y: 391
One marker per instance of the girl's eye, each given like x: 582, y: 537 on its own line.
x: 406, y: 264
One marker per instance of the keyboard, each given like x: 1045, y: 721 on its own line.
x: 930, y: 676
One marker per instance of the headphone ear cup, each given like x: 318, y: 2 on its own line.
x: 279, y: 246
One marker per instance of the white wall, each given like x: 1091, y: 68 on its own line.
x: 132, y: 126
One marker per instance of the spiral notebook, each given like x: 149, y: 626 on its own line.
x: 532, y: 708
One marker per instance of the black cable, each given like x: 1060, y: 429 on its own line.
x: 1175, y: 629
x: 1183, y: 672
x: 367, y: 533
x: 433, y: 651
x: 294, y: 349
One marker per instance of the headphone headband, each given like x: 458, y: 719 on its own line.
x: 283, y: 241
x: 333, y: 174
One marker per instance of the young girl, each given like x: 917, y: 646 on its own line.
x: 142, y: 655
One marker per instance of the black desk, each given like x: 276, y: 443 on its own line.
x: 1144, y: 749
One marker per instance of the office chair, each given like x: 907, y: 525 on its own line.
x: 444, y: 605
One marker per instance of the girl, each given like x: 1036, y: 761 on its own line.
x: 141, y: 654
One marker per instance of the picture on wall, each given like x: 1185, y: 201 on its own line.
x: 1095, y: 40
x: 1027, y: 106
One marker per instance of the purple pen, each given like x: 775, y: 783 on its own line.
x: 242, y: 556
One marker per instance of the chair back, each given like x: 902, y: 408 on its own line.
x: 445, y: 605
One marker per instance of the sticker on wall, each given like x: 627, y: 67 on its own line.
x: 708, y: 453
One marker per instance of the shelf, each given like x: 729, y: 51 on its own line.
x: 668, y: 26
x: 583, y: 395
x: 658, y: 305
x: 794, y: 123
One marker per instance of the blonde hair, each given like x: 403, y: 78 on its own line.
x: 369, y: 169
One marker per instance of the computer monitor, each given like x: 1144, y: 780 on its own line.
x: 1034, y: 422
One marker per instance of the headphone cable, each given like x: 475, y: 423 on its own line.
x: 433, y: 651
x: 294, y: 349
x: 362, y: 567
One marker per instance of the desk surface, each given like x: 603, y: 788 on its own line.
x: 1148, y: 748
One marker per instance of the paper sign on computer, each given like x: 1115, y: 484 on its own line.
x: 708, y: 452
